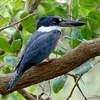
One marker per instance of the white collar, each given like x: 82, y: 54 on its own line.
x: 49, y: 28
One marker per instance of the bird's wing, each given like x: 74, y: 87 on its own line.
x: 32, y: 39
x: 39, y: 49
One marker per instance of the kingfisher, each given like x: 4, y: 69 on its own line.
x: 41, y: 44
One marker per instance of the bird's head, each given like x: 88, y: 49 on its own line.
x: 49, y: 23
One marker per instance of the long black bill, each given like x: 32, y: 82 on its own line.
x: 69, y: 23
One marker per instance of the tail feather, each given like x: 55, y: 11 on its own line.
x: 14, y: 80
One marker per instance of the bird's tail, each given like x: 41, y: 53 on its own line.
x: 14, y: 80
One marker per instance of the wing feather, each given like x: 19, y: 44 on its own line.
x: 40, y: 48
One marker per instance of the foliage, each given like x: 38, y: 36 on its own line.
x: 12, y: 11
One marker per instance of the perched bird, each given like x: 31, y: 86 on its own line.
x: 41, y: 44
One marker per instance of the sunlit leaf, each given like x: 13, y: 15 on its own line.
x: 16, y: 44
x: 17, y: 6
x: 95, y: 15
x: 83, y: 11
x: 75, y: 11
x: 4, y: 45
x: 26, y: 38
x: 61, y: 1
x: 29, y: 24
x: 88, y: 3
x: 46, y: 6
x: 51, y: 12
x: 61, y: 12
x: 3, y: 21
x: 1, y: 57
x: 31, y: 89
x: 6, y: 70
x: 94, y: 25
x: 75, y: 43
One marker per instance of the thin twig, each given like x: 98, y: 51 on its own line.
x: 17, y: 21
x: 49, y: 87
x: 71, y: 16
x: 9, y: 22
x: 96, y: 62
x: 70, y: 9
x: 80, y: 90
x: 26, y: 95
x: 74, y: 87
x: 95, y: 97
x: 72, y: 75
x: 45, y: 92
x: 77, y: 84
x: 3, y: 4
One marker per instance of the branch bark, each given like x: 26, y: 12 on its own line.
x: 26, y: 95
x: 62, y: 65
x: 29, y: 96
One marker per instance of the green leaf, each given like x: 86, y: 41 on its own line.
x: 26, y: 37
x: 61, y: 12
x: 17, y: 35
x: 83, y: 68
x: 93, y: 23
x: 29, y: 24
x: 76, y: 34
x: 88, y: 3
x: 51, y: 12
x: 75, y: 37
x: 95, y: 15
x: 58, y: 53
x: 75, y: 43
x: 10, y: 60
x: 16, y: 45
x: 62, y: 49
x: 83, y: 11
x: 75, y: 11
x: 59, y: 82
x: 31, y: 89
x: 46, y: 6
x: 1, y: 57
x: 6, y: 70
x: 86, y: 33
x: 17, y: 6
x: 66, y: 36
x: 4, y: 45
x: 13, y: 95
x: 3, y: 21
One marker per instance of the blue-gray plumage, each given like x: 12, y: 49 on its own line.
x: 41, y: 44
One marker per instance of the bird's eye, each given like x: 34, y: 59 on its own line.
x: 55, y: 20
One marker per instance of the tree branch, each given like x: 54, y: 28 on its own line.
x: 46, y: 71
x: 73, y: 88
x: 26, y: 95
x: 17, y: 21
x: 29, y: 96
